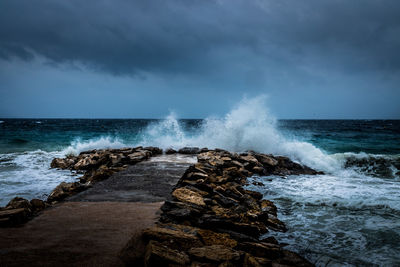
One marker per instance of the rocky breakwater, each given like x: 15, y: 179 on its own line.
x: 95, y: 165
x: 212, y: 220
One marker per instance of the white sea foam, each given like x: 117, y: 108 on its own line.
x: 28, y: 175
x: 79, y: 145
x: 249, y: 126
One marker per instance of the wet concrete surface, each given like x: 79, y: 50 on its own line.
x: 91, y: 228
x: 148, y: 181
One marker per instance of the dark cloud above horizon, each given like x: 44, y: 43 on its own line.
x: 236, y: 47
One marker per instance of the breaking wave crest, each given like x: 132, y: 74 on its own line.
x: 248, y: 126
x: 78, y: 146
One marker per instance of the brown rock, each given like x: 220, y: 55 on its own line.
x: 170, y: 151
x: 37, y: 204
x: 19, y: 203
x: 64, y: 190
x: 189, y: 150
x: 215, y: 253
x: 267, y: 160
x: 10, y: 217
x: 212, y: 238
x: 158, y: 254
x: 179, y: 237
x: 186, y: 195
x: 65, y: 163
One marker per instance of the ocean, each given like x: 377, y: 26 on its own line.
x: 350, y: 216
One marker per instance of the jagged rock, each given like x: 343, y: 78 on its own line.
x: 177, y: 236
x: 65, y: 163
x: 37, y: 204
x: 64, y: 190
x: 189, y: 196
x: 212, y: 238
x: 138, y: 156
x: 266, y: 161
x: 11, y: 217
x: 170, y: 151
x: 215, y: 253
x: 19, y: 203
x: 154, y: 150
x: 158, y: 254
x: 189, y: 150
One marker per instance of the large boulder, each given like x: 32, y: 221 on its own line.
x: 64, y: 190
x: 187, y: 195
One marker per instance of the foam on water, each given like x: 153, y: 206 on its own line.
x: 29, y: 175
x: 78, y: 145
x: 249, y: 126
x: 342, y: 219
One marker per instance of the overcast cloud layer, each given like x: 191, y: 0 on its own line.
x: 314, y: 59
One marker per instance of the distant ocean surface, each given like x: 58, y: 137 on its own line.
x: 349, y: 216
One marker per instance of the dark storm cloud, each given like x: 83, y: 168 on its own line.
x: 177, y: 36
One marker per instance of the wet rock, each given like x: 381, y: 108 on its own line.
x: 189, y: 150
x: 158, y: 254
x: 37, y: 204
x: 186, y: 195
x: 19, y: 203
x: 178, y: 237
x: 170, y: 151
x: 215, y: 253
x: 12, y: 217
x: 63, y: 163
x: 212, y: 238
x: 154, y: 150
x: 64, y: 190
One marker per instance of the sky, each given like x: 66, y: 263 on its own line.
x: 315, y: 59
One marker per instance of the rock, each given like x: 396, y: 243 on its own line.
x: 65, y: 163
x: 154, y: 150
x: 100, y: 174
x: 177, y: 236
x: 186, y: 195
x: 170, y: 151
x: 19, y: 203
x: 189, y: 150
x: 64, y: 190
x: 212, y: 238
x: 179, y: 211
x: 215, y: 253
x: 158, y: 254
x: 134, y: 251
x: 11, y: 217
x: 267, y: 161
x: 37, y: 204
x: 138, y: 156
x: 250, y: 261
x: 116, y: 159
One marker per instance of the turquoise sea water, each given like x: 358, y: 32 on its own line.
x: 349, y: 216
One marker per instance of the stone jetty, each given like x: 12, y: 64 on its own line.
x: 206, y: 216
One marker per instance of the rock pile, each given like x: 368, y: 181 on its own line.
x: 212, y: 220
x: 20, y: 210
x: 97, y: 165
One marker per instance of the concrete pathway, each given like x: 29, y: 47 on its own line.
x: 92, y: 227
